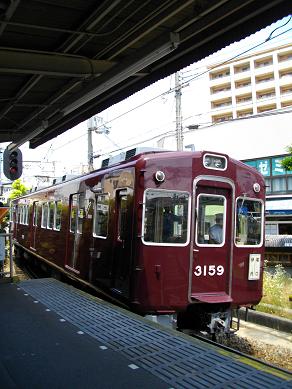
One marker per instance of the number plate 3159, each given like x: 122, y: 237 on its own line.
x: 209, y: 270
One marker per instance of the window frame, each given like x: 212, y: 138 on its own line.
x: 55, y: 228
x: 21, y: 212
x: 24, y: 214
x: 51, y: 215
x: 147, y: 243
x: 35, y: 214
x: 44, y: 222
x: 94, y: 216
x: 262, y: 222
x: 78, y: 196
x: 197, y: 219
x: 74, y: 200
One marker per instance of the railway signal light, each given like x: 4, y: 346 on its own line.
x: 12, y: 163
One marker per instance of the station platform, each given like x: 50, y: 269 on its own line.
x: 55, y: 336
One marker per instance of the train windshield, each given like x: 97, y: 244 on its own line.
x: 211, y: 218
x: 166, y: 217
x: 249, y: 222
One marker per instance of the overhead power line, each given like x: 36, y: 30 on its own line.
x: 171, y: 90
x: 195, y: 77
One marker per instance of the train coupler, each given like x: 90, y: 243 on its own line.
x: 220, y: 322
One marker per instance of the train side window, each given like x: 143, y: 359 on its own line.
x: 17, y: 214
x: 45, y: 211
x: 73, y: 212
x: 122, y: 221
x: 77, y: 212
x: 35, y: 214
x: 13, y: 216
x: 23, y: 214
x: 51, y: 212
x: 81, y: 212
x: 27, y: 214
x: 101, y: 216
x: 57, y: 215
x: 211, y: 220
x: 249, y: 222
x: 20, y: 211
x: 166, y: 217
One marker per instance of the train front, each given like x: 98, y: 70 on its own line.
x: 202, y: 239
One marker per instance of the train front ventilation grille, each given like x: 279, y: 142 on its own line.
x: 130, y: 154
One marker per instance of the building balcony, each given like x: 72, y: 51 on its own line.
x: 264, y: 106
x: 224, y: 110
x: 266, y: 100
x: 220, y: 95
x: 263, y: 70
x: 244, y: 106
x: 241, y: 113
x: 285, y: 79
x: 220, y: 80
x: 287, y: 103
x: 217, y: 118
x: 243, y: 90
x: 285, y: 65
x: 242, y: 75
x: 262, y: 85
x: 285, y: 98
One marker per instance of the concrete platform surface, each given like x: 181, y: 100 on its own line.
x: 41, y: 350
x: 55, y: 336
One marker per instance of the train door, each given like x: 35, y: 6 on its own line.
x: 122, y: 241
x: 35, y: 212
x: 74, y: 236
x: 212, y: 241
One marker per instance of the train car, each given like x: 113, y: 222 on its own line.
x: 142, y: 231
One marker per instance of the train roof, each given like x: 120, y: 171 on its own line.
x: 132, y: 155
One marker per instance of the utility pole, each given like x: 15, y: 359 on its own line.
x: 94, y: 124
x: 179, y: 134
x: 90, y: 148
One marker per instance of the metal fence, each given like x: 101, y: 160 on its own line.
x: 6, y: 258
x: 278, y: 241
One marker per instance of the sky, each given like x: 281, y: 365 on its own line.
x: 146, y: 115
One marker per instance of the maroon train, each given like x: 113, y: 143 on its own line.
x: 141, y: 230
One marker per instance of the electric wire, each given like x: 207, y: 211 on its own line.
x: 171, y: 90
x: 195, y: 77
x: 187, y: 130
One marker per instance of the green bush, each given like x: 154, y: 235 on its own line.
x: 277, y: 287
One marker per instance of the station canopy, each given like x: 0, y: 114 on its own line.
x: 62, y: 61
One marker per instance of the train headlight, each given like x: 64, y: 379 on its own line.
x: 159, y: 176
x: 217, y: 162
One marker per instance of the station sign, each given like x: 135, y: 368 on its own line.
x: 269, y: 166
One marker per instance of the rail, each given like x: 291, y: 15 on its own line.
x: 6, y: 258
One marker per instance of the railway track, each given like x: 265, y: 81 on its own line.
x: 24, y: 270
x: 271, y: 356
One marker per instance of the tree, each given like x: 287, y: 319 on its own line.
x: 18, y: 189
x: 287, y: 161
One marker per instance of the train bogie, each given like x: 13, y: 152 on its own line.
x: 166, y: 233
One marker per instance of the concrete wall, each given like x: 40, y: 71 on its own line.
x: 243, y: 138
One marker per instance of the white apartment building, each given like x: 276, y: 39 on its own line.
x: 251, y: 85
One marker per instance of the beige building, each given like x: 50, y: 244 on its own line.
x: 252, y: 85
